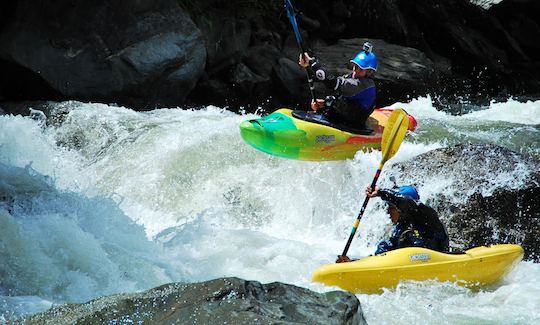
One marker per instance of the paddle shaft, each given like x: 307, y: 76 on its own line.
x: 392, y: 141
x: 309, y: 79
x: 357, y: 222
x: 292, y: 17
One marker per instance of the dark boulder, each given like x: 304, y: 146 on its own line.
x: 246, y: 77
x: 520, y: 19
x: 151, y: 53
x: 25, y: 108
x: 137, y: 52
x: 244, y: 50
x: 220, y: 301
x: 227, y: 39
x: 292, y: 78
x: 488, y: 194
x: 503, y: 217
x: 491, y: 53
x: 454, y: 49
x: 261, y: 59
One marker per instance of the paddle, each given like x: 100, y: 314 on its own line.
x: 292, y: 17
x: 393, y: 135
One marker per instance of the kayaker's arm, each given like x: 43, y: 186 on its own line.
x: 404, y: 204
x: 345, y: 85
x: 391, y: 243
x: 384, y: 246
x: 403, y: 235
x: 318, y: 73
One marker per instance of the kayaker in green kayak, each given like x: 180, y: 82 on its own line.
x: 414, y: 223
x: 354, y: 94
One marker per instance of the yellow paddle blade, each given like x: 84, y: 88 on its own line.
x: 393, y: 133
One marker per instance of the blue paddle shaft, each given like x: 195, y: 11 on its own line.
x: 292, y: 18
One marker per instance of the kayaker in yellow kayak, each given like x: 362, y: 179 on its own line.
x: 414, y: 223
x: 354, y: 94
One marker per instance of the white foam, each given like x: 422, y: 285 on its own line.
x: 444, y: 303
x: 510, y: 111
x: 205, y: 204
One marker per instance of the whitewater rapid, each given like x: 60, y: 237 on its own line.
x: 111, y: 200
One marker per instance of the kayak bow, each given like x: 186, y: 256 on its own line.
x: 283, y: 135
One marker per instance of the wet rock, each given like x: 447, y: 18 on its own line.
x: 132, y: 52
x: 488, y: 194
x: 261, y: 59
x: 47, y: 112
x: 490, y: 53
x: 468, y: 54
x: 291, y: 77
x: 226, y: 39
x: 248, y: 79
x: 152, y: 53
x: 24, y: 108
x: 220, y: 301
x: 520, y: 19
x: 244, y: 77
x: 503, y: 217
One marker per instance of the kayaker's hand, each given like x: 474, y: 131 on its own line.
x: 303, y: 60
x: 343, y: 259
x: 315, y: 105
x: 372, y: 192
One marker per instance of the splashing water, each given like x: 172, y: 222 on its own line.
x: 114, y: 200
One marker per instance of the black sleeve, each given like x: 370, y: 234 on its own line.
x: 404, y: 204
x: 431, y: 222
x: 318, y: 73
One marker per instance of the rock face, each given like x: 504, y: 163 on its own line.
x: 487, y: 53
x: 220, y: 301
x: 134, y: 52
x: 504, y: 217
x: 520, y: 20
x: 490, y: 194
x: 148, y: 53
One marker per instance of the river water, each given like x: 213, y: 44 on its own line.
x: 113, y: 200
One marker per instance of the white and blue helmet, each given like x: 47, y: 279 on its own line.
x: 409, y: 191
x: 366, y: 59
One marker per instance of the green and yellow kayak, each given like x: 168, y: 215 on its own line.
x: 475, y: 267
x: 306, y: 136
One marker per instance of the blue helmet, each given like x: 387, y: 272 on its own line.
x: 409, y: 191
x: 366, y: 59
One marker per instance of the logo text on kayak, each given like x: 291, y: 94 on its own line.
x: 325, y: 138
x: 423, y: 257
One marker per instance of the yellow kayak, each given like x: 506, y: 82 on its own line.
x: 475, y: 267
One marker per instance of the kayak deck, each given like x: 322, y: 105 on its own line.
x: 281, y: 134
x: 476, y: 267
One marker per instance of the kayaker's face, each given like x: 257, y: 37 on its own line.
x: 358, y: 72
x: 394, y: 213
